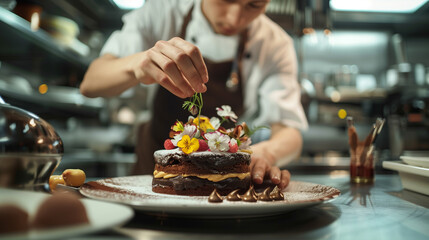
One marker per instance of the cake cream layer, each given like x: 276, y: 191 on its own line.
x: 210, y: 177
x: 202, y: 162
x: 189, y: 168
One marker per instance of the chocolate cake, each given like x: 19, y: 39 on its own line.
x: 201, y: 155
x: 199, y: 173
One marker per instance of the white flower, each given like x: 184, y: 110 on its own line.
x: 217, y: 141
x: 226, y: 112
x: 215, y: 122
x: 245, y: 144
x: 189, y: 129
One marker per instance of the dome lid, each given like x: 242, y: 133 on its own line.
x: 24, y: 132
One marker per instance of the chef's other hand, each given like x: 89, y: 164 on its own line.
x: 177, y: 65
x: 262, y: 166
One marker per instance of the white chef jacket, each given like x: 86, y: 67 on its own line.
x: 271, y: 90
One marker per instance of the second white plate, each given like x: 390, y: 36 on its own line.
x: 412, y: 177
x: 416, y: 161
x: 102, y: 215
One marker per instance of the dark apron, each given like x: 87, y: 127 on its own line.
x: 167, y: 108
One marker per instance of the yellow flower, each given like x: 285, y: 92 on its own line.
x: 204, y: 123
x: 178, y: 127
x: 188, y: 145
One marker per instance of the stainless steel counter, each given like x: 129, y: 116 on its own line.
x: 379, y: 211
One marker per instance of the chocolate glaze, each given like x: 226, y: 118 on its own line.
x: 276, y: 194
x: 250, y: 195
x: 234, y: 196
x: 265, y: 195
x: 215, y: 197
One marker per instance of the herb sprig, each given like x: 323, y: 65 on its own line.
x: 194, y: 105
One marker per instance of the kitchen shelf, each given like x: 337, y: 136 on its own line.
x: 19, y: 44
x: 55, y: 103
x: 39, y: 58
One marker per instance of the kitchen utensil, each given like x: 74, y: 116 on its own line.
x: 368, y: 147
x: 362, y: 153
x: 30, y: 149
x: 353, y: 138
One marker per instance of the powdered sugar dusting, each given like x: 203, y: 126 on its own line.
x: 136, y: 191
x: 166, y: 152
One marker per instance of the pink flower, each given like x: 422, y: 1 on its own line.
x: 193, y: 110
x: 245, y: 144
x: 233, y: 146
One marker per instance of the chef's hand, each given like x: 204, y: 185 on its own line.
x: 177, y: 65
x: 262, y: 166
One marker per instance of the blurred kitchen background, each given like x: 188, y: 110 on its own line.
x: 360, y: 58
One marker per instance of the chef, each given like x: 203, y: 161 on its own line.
x: 228, y: 50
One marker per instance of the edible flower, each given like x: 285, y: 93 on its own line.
x: 190, y: 130
x: 217, y: 142
x: 177, y: 128
x: 245, y: 143
x: 215, y: 122
x: 226, y: 113
x: 203, y: 123
x: 188, y: 145
x: 193, y: 110
x: 233, y: 145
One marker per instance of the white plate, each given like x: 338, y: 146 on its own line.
x: 101, y: 215
x: 413, y: 178
x: 417, y: 153
x: 136, y: 191
x: 416, y: 161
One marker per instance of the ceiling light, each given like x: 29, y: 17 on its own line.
x: 393, y: 6
x: 129, y: 4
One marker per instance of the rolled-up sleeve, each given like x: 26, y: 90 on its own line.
x: 280, y: 102
x: 273, y: 79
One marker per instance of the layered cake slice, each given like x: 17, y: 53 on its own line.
x: 199, y: 173
x: 201, y: 155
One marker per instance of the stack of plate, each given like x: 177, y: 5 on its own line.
x: 413, y: 170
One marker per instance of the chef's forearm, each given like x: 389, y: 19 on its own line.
x: 108, y: 76
x: 285, y: 143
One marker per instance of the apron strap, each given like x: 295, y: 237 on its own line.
x: 186, y: 21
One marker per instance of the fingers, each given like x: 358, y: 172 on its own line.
x: 275, y: 175
x: 194, y: 53
x: 258, y: 171
x: 285, y: 179
x: 184, y: 58
x: 281, y: 178
x: 164, y: 80
x: 261, y: 169
x: 170, y: 75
